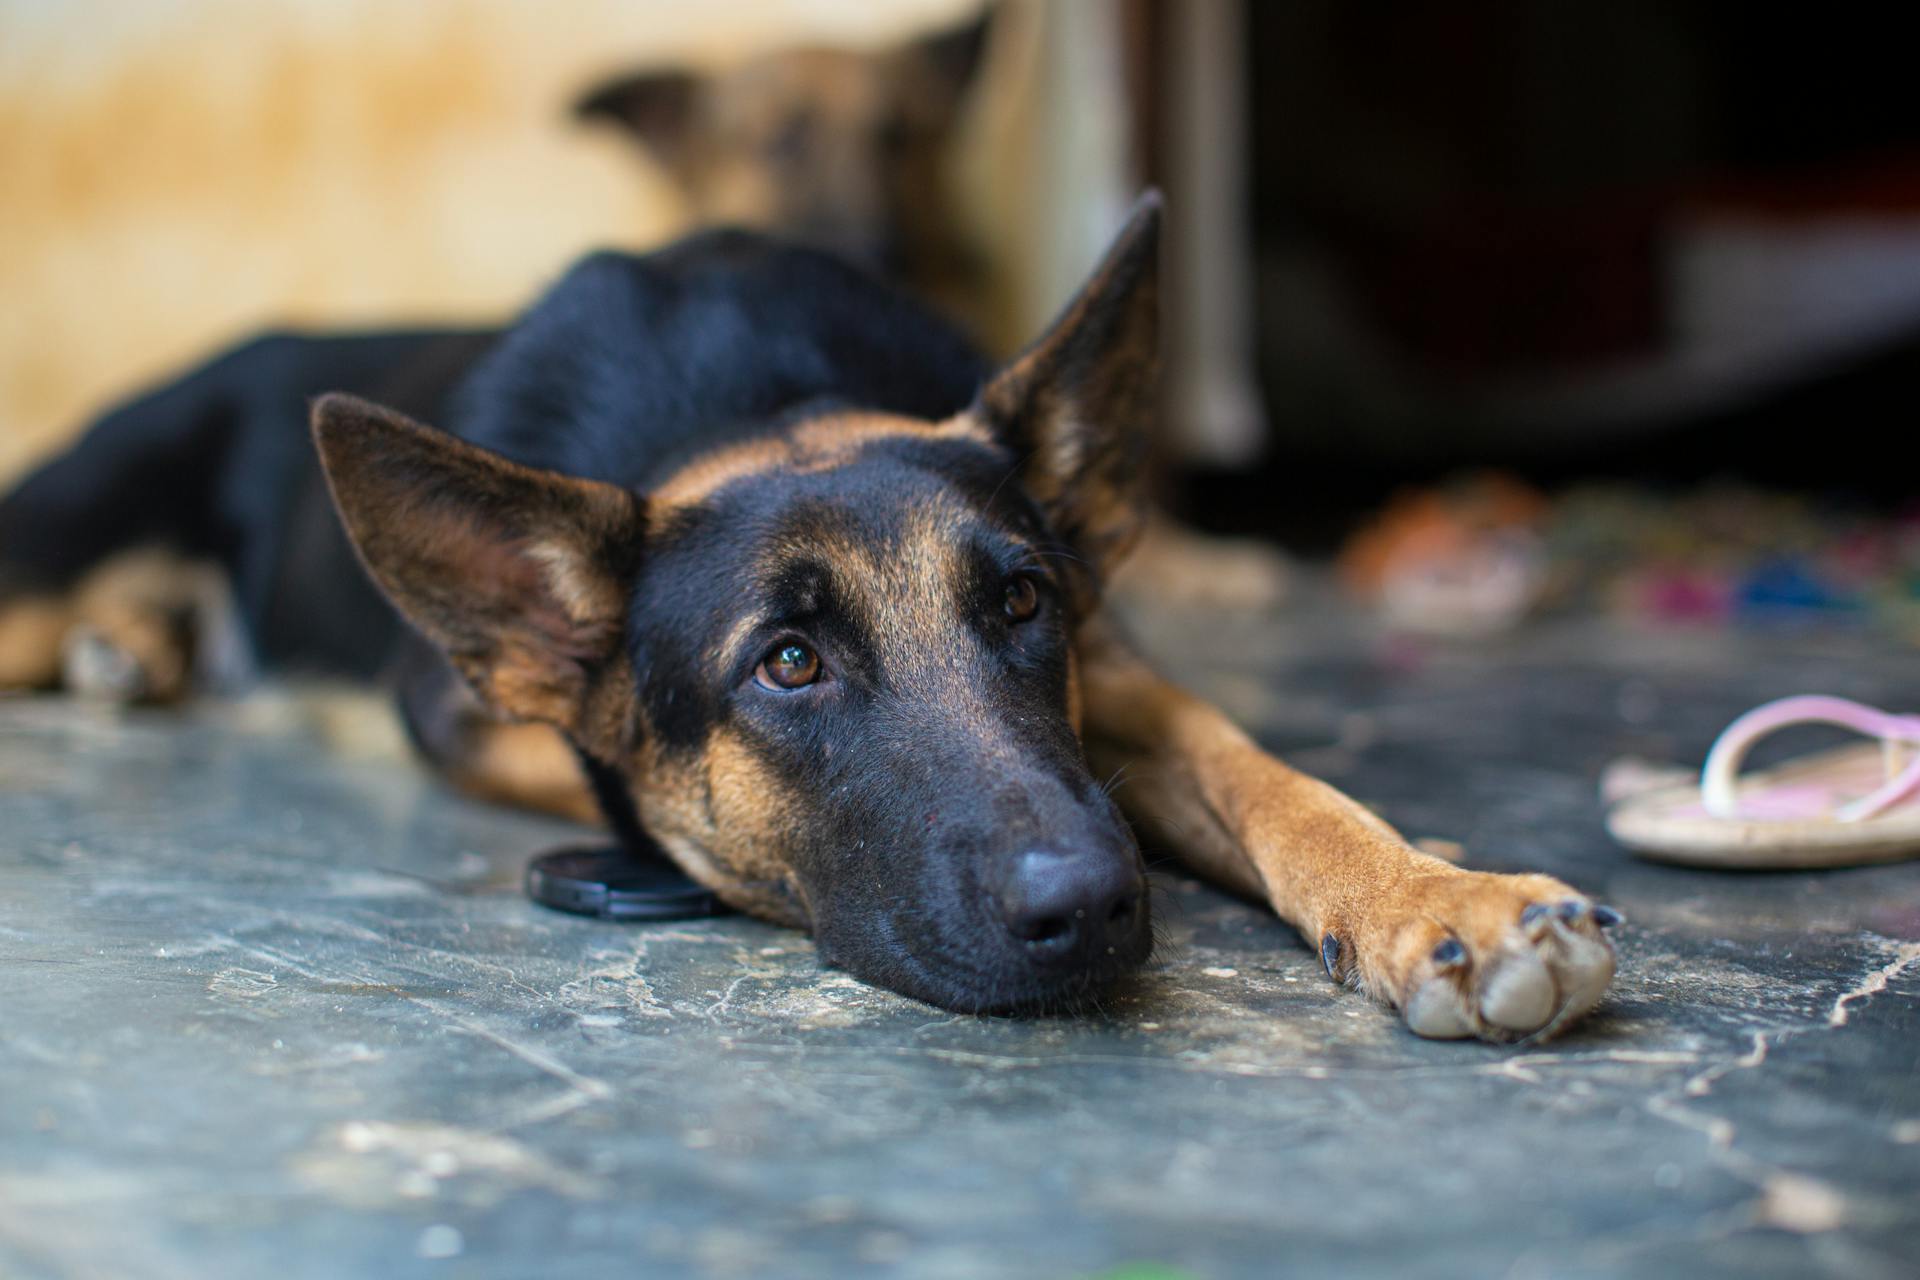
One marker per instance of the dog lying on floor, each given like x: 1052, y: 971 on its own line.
x: 808, y: 594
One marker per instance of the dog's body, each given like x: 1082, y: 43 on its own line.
x: 813, y: 595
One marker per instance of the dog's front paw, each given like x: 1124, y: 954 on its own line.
x: 1467, y: 953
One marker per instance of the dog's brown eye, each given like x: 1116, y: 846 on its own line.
x: 1023, y: 598
x: 791, y: 666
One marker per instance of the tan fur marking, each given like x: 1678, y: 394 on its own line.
x: 724, y: 819
x: 817, y: 444
x: 749, y: 804
x: 527, y: 765
x: 700, y: 478
x: 516, y: 678
x: 584, y: 594
x: 31, y: 631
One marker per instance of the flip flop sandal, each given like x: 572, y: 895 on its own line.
x: 1845, y: 807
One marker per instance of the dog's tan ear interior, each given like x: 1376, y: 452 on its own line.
x: 1078, y: 405
x: 521, y: 576
x: 658, y: 108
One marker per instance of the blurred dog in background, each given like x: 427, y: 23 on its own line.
x: 841, y: 148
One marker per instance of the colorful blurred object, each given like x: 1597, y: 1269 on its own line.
x: 1478, y: 554
x: 1463, y: 559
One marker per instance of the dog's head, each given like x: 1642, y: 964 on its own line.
x: 835, y: 663
x: 838, y: 147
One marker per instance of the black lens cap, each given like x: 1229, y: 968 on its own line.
x: 611, y: 882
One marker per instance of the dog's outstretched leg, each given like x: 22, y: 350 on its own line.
x: 1458, y: 952
x: 33, y: 627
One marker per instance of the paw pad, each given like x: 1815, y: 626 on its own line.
x: 1498, y: 957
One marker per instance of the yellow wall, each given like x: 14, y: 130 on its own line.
x: 174, y: 173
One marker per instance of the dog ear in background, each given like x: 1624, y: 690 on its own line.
x: 949, y: 59
x: 522, y: 577
x: 1078, y: 405
x: 659, y: 108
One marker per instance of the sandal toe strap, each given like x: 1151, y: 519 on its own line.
x: 1719, y: 792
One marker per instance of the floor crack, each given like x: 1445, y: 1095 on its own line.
x: 1874, y: 983
x: 1787, y: 1200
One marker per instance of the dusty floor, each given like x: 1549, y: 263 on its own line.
x: 271, y: 1010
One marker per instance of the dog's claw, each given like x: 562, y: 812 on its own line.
x: 1330, y: 956
x: 1606, y: 917
x: 1533, y: 915
x: 1449, y: 953
x: 1571, y: 909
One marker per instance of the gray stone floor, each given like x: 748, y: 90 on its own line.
x: 275, y: 1007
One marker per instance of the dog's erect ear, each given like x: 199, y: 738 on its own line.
x: 521, y: 576
x: 1078, y: 405
x: 953, y: 56
x: 657, y: 107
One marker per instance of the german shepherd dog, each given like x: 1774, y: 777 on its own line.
x: 811, y: 598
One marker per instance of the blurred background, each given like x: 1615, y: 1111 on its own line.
x: 1499, y: 308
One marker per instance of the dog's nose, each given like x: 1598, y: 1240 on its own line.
x: 1066, y: 903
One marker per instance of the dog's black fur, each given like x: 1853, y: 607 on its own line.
x: 627, y: 367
